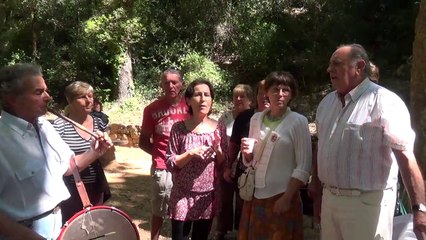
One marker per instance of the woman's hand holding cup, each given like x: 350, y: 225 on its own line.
x: 247, y: 146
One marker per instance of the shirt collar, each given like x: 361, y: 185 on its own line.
x: 19, y: 125
x: 356, y: 93
x: 360, y: 89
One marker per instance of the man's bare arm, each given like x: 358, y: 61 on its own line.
x: 414, y: 185
x: 15, y: 231
x: 145, y: 141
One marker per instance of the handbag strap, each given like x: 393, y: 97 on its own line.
x: 262, y: 147
x: 80, y: 185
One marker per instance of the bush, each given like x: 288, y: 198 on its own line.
x: 195, y: 65
x: 129, y: 111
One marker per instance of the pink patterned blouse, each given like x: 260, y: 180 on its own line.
x: 193, y: 193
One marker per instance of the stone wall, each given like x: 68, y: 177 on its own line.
x: 126, y: 136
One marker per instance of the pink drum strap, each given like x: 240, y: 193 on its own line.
x: 80, y: 185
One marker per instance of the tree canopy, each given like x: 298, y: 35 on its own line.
x: 236, y: 41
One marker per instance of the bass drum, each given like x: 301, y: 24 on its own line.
x: 99, y: 222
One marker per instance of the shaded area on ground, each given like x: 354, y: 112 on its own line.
x: 130, y: 182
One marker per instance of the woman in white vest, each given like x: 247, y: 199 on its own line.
x: 282, y: 158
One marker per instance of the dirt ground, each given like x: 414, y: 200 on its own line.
x: 128, y: 176
x: 129, y: 180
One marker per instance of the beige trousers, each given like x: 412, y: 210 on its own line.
x: 368, y: 216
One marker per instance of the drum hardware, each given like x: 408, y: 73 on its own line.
x: 98, y: 221
x: 106, y: 234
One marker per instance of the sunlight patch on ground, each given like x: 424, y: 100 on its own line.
x: 134, y: 160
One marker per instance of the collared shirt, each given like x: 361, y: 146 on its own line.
x: 355, y: 141
x: 31, y: 167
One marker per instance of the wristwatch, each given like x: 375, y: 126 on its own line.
x: 419, y: 208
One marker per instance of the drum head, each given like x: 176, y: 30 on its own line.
x: 101, y: 222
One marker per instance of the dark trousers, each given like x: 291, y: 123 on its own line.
x: 229, y: 215
x: 200, y: 229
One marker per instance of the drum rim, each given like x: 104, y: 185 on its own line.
x: 111, y: 208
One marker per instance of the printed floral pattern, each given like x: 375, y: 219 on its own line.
x: 194, y: 185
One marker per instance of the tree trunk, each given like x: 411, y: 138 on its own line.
x: 34, y: 33
x: 125, y: 78
x: 418, y: 86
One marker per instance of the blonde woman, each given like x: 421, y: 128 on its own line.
x: 79, y: 96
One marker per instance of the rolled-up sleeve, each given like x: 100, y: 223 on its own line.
x: 395, y: 120
x: 303, y: 150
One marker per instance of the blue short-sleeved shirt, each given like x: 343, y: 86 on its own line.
x: 31, y: 167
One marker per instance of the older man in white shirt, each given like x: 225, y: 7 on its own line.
x: 364, y: 135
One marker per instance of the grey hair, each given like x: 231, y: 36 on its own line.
x: 171, y: 71
x: 358, y: 52
x: 12, y: 78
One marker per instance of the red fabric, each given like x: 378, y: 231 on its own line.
x: 158, y: 118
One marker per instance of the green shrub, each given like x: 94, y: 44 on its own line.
x: 195, y: 65
x: 129, y: 111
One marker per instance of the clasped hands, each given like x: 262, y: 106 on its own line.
x: 205, y: 152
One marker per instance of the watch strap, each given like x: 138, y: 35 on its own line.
x: 418, y: 208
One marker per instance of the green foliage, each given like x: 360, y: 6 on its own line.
x: 17, y: 57
x: 115, y: 27
x: 148, y: 70
x: 195, y: 65
x: 219, y: 40
x: 128, y: 111
x: 106, y: 38
x: 131, y: 104
x: 299, y: 36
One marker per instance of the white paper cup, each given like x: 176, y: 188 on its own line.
x: 249, y: 142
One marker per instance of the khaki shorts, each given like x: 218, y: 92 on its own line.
x: 161, y: 187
